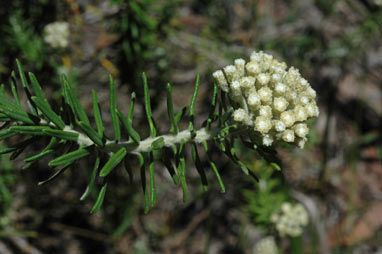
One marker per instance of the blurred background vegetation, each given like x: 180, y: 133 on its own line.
x: 337, y: 177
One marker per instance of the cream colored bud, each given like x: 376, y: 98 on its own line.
x: 300, y: 142
x: 310, y: 91
x: 280, y: 104
x: 300, y: 113
x: 280, y: 88
x: 235, y: 89
x: 304, y: 82
x: 253, y: 101
x: 288, y: 136
x: 278, y: 125
x: 220, y: 80
x: 246, y: 84
x: 240, y: 67
x: 276, y: 77
x: 291, y: 96
x: 263, y: 79
x: 255, y: 56
x: 230, y: 73
x: 253, y: 68
x: 266, y: 111
x: 301, y: 130
x: 267, y: 140
x: 265, y: 95
x: 286, y: 207
x: 262, y: 124
x: 239, y: 115
x: 312, y: 110
x: 288, y: 118
x: 303, y: 99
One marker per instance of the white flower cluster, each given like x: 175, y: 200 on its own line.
x: 266, y: 245
x: 57, y: 34
x: 275, y: 101
x: 290, y: 219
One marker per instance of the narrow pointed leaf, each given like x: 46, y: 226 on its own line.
x: 73, y: 101
x: 91, y: 133
x: 25, y: 84
x: 32, y: 130
x: 143, y: 181
x: 167, y: 162
x: 113, y: 107
x: 153, y: 191
x: 39, y: 155
x: 214, y: 168
x: 170, y: 111
x: 7, y: 134
x: 8, y: 150
x: 45, y: 108
x: 69, y: 157
x: 93, y: 175
x: 192, y: 107
x: 148, y: 106
x: 182, y: 178
x: 126, y: 163
x: 97, y: 114
x: 14, y: 88
x: 100, y: 198
x: 114, y: 160
x: 211, y: 117
x: 199, y: 167
x: 126, y: 122
x: 56, y: 174
x: 67, y: 135
x: 36, y: 87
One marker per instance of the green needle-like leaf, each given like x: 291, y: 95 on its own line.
x: 14, y: 110
x: 153, y: 131
x: 69, y: 157
x: 25, y: 84
x: 91, y: 133
x: 56, y: 174
x: 39, y: 155
x: 97, y: 114
x: 14, y: 88
x: 113, y: 107
x: 100, y: 198
x: 7, y: 134
x: 144, y: 184
x: 213, y: 106
x: 114, y: 160
x: 45, y: 108
x: 129, y: 170
x: 67, y: 135
x: 192, y: 107
x: 126, y: 122
x: 214, y: 168
x: 36, y: 87
x: 93, y: 175
x: 170, y: 111
x: 32, y: 130
x: 153, y: 191
x: 8, y: 150
x: 73, y: 102
x: 199, y: 167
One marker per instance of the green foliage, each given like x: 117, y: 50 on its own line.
x: 71, y: 127
x: 266, y: 196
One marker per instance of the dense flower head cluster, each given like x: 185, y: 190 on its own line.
x: 266, y: 245
x: 272, y: 99
x: 57, y: 34
x: 290, y: 219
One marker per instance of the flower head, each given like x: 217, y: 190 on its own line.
x: 276, y: 101
x: 57, y: 34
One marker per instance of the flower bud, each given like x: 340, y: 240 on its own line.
x: 262, y: 124
x: 220, y: 80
